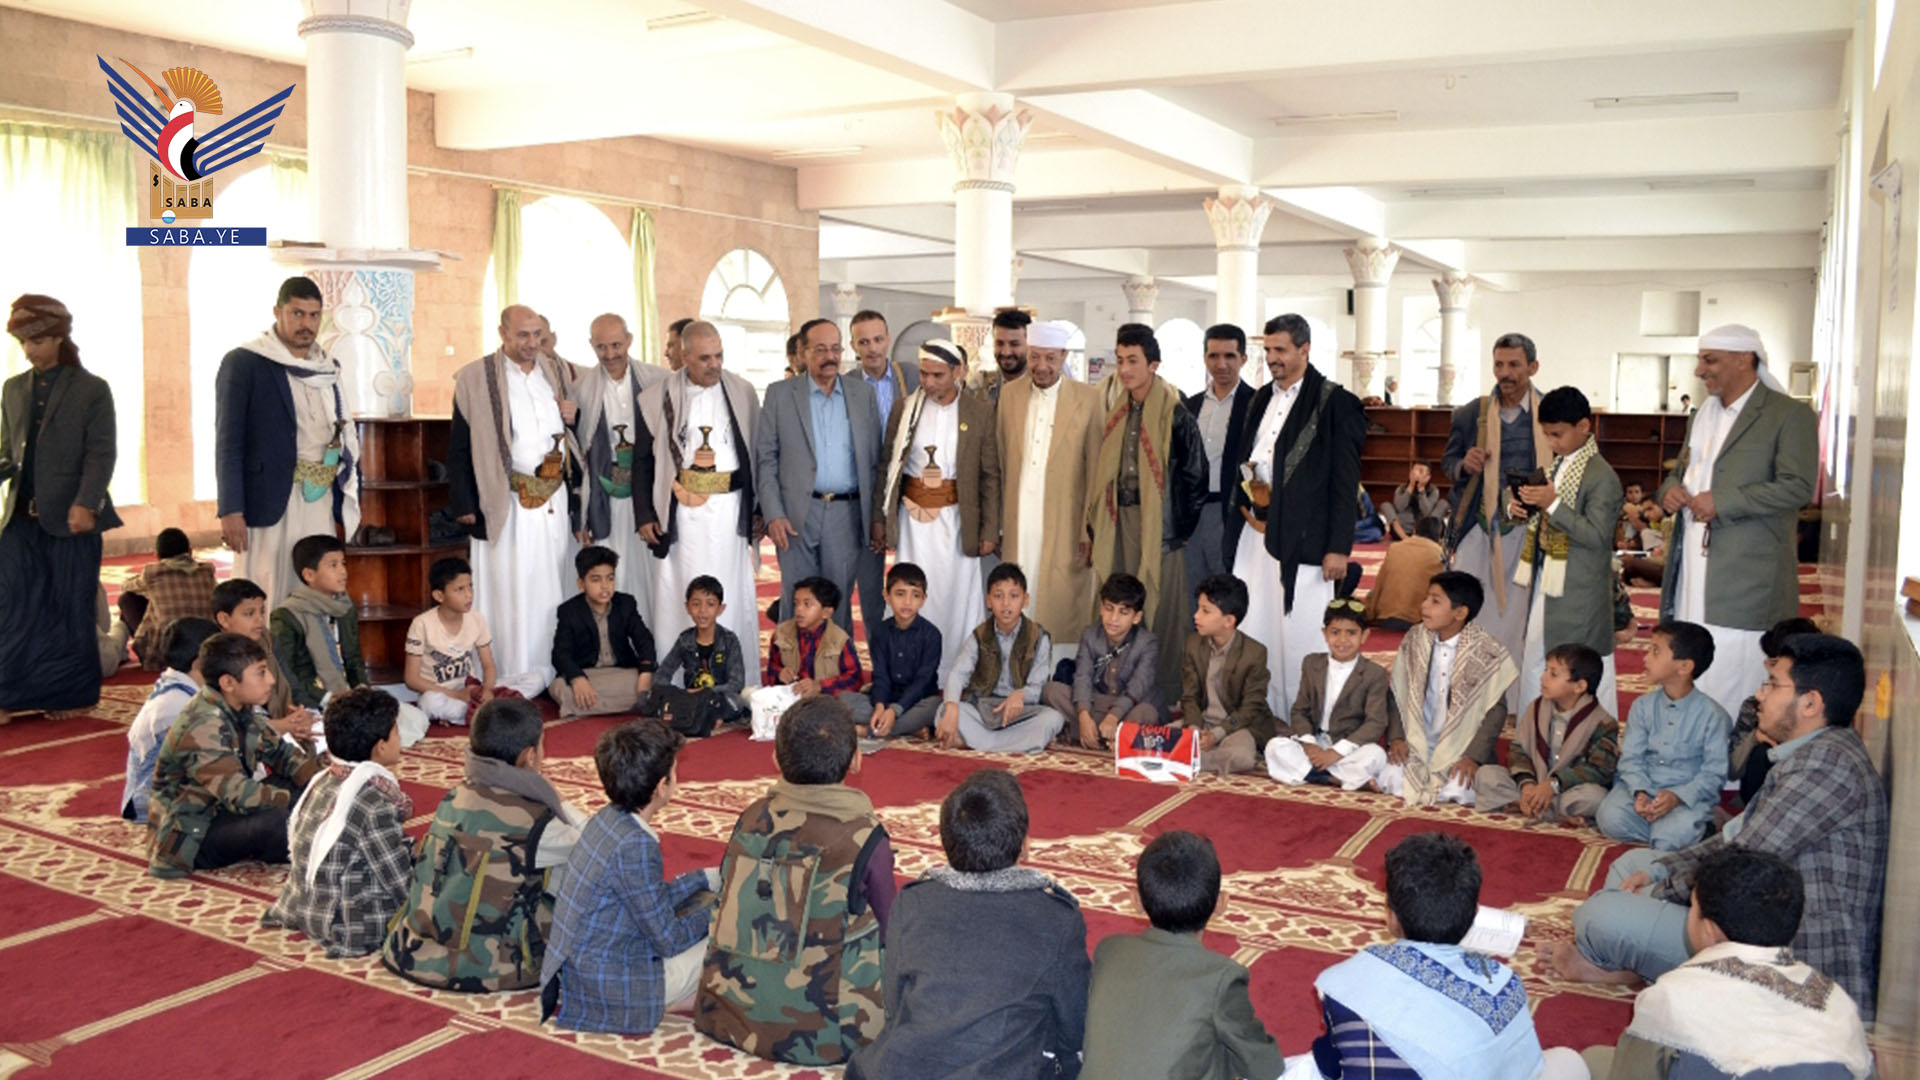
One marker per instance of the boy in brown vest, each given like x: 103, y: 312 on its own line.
x: 994, y: 685
x: 811, y: 654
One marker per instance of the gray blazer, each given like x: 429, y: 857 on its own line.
x: 1762, y: 478
x: 74, y: 459
x: 783, y: 449
x: 1583, y: 612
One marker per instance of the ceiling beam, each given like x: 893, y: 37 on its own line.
x: 1055, y: 174
x: 907, y: 40
x: 1030, y: 56
x: 1648, y: 214
x: 1785, y: 251
x: 1150, y: 126
x: 1673, y: 146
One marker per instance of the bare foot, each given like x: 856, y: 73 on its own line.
x: 1563, y: 960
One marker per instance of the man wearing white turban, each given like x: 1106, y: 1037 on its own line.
x: 1737, y: 490
x: 1049, y: 434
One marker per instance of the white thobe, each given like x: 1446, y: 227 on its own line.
x: 268, y: 560
x: 637, y: 569
x: 1289, y: 637
x: 1738, y: 666
x: 706, y: 538
x: 521, y: 576
x: 955, y: 596
x: 1433, y: 717
x: 1041, y: 405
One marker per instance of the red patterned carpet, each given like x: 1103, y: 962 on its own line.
x: 106, y: 966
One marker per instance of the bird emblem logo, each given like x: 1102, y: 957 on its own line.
x: 176, y: 134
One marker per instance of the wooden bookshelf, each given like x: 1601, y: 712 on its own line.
x: 389, y: 582
x: 1638, y: 445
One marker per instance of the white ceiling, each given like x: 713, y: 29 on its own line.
x: 1494, y: 159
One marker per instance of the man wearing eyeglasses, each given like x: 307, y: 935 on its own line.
x: 816, y: 456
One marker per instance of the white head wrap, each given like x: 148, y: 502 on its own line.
x: 1734, y: 337
x: 1049, y: 335
x: 943, y: 351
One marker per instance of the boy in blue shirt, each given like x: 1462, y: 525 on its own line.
x: 1673, y: 757
x: 180, y: 647
x: 906, y: 660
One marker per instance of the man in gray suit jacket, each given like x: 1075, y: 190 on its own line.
x: 815, y: 459
x: 1749, y: 466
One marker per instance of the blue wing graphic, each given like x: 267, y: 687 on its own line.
x: 239, y: 138
x: 138, y: 118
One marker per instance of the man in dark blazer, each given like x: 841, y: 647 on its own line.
x: 815, y: 458
x: 1315, y: 477
x: 1221, y: 410
x: 57, y: 447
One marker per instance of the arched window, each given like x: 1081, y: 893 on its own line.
x: 574, y: 267
x: 230, y: 291
x: 1077, y: 353
x: 746, y: 301
x: 906, y: 347
x: 1183, y: 355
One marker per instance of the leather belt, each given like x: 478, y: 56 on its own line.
x: 835, y: 496
x: 708, y: 482
x: 1214, y: 497
x: 930, y: 496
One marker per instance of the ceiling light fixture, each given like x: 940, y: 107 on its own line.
x: 1634, y: 101
x: 682, y: 20
x: 1702, y: 183
x: 1457, y: 193
x: 465, y: 53
x: 1049, y: 208
x: 1370, y: 116
x: 818, y: 152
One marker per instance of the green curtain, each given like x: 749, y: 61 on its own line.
x: 646, y: 306
x: 290, y: 190
x: 506, y: 246
x: 71, y: 195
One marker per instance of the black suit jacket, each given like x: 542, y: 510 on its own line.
x: 74, y: 456
x: 253, y: 438
x: 1314, y: 515
x: 1233, y: 453
x: 1239, y: 449
x: 576, y: 641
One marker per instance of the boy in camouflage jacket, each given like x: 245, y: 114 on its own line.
x: 207, y: 809
x: 806, y: 992
x: 478, y: 911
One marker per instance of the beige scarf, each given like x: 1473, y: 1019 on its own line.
x: 1541, y: 533
x: 1103, y: 509
x: 482, y: 401
x: 1490, y: 492
x: 313, y: 608
x: 1482, y: 671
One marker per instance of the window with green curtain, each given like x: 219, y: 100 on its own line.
x: 71, y: 195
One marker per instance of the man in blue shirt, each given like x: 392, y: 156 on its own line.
x: 891, y: 383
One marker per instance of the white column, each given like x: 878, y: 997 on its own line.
x: 1238, y: 216
x: 1142, y: 293
x: 356, y: 96
x: 1456, y: 292
x: 846, y: 304
x: 1372, y: 260
x: 984, y: 133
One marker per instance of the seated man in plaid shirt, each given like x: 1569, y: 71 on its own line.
x: 351, y: 860
x: 1822, y: 808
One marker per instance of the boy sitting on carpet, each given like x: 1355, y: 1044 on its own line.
x: 178, y: 586
x: 351, y: 859
x: 450, y: 650
x: 1224, y: 679
x: 986, y: 962
x: 1742, y: 1005
x: 707, y: 660
x: 1421, y: 1006
x: 316, y: 632
x: 1161, y: 1003
x: 224, y: 779
x: 479, y: 906
x: 906, y: 660
x: 1673, y: 760
x: 1114, y: 673
x: 810, y: 654
x: 993, y: 688
x: 176, y: 686
x: 1564, y: 751
x: 814, y: 1006
x: 240, y: 607
x: 602, y: 649
x: 1449, y: 686
x: 627, y: 942
x: 1341, y: 712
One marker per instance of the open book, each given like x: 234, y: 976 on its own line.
x: 1496, y: 932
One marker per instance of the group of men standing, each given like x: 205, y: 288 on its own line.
x: 956, y: 465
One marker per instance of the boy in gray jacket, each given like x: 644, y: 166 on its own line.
x: 1113, y: 676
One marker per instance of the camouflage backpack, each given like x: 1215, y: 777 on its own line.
x: 793, y: 968
x: 477, y: 914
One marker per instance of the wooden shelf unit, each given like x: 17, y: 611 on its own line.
x: 1638, y: 445
x: 389, y: 582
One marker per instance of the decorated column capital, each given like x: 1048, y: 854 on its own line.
x: 1455, y: 289
x: 1142, y: 293
x: 1238, y: 216
x: 1372, y: 260
x: 846, y: 300
x: 382, y: 18
x: 984, y: 134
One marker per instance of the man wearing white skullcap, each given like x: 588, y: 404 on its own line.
x: 1049, y: 433
x: 1737, y: 490
x: 940, y: 496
